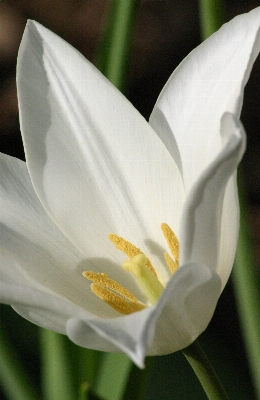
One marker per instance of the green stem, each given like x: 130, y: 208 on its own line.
x: 14, y: 381
x: 211, y: 16
x: 113, y: 376
x: 205, y: 372
x: 57, y: 369
x: 114, y: 51
x: 88, y: 365
x: 247, y: 290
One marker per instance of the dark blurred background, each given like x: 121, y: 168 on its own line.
x: 165, y: 32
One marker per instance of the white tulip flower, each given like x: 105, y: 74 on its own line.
x: 100, y: 183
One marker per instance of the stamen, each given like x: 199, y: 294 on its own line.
x: 116, y: 302
x: 116, y: 295
x: 148, y: 282
x: 129, y: 249
x: 172, y: 265
x: 172, y: 241
x: 103, y: 280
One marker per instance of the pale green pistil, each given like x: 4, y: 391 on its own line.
x: 146, y: 279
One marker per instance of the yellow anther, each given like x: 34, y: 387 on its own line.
x: 103, y: 280
x: 147, y: 281
x: 129, y: 249
x: 116, y: 302
x: 172, y: 265
x: 172, y: 241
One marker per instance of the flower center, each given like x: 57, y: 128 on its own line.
x: 116, y: 295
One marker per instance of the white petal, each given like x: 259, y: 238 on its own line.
x: 206, y: 222
x: 183, y: 312
x: 96, y: 164
x: 185, y: 309
x: 129, y: 334
x: 10, y: 269
x: 209, y: 82
x: 34, y: 250
x: 39, y: 307
x: 229, y: 231
x: 81, y: 333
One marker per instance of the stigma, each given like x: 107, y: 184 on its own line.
x: 116, y: 295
